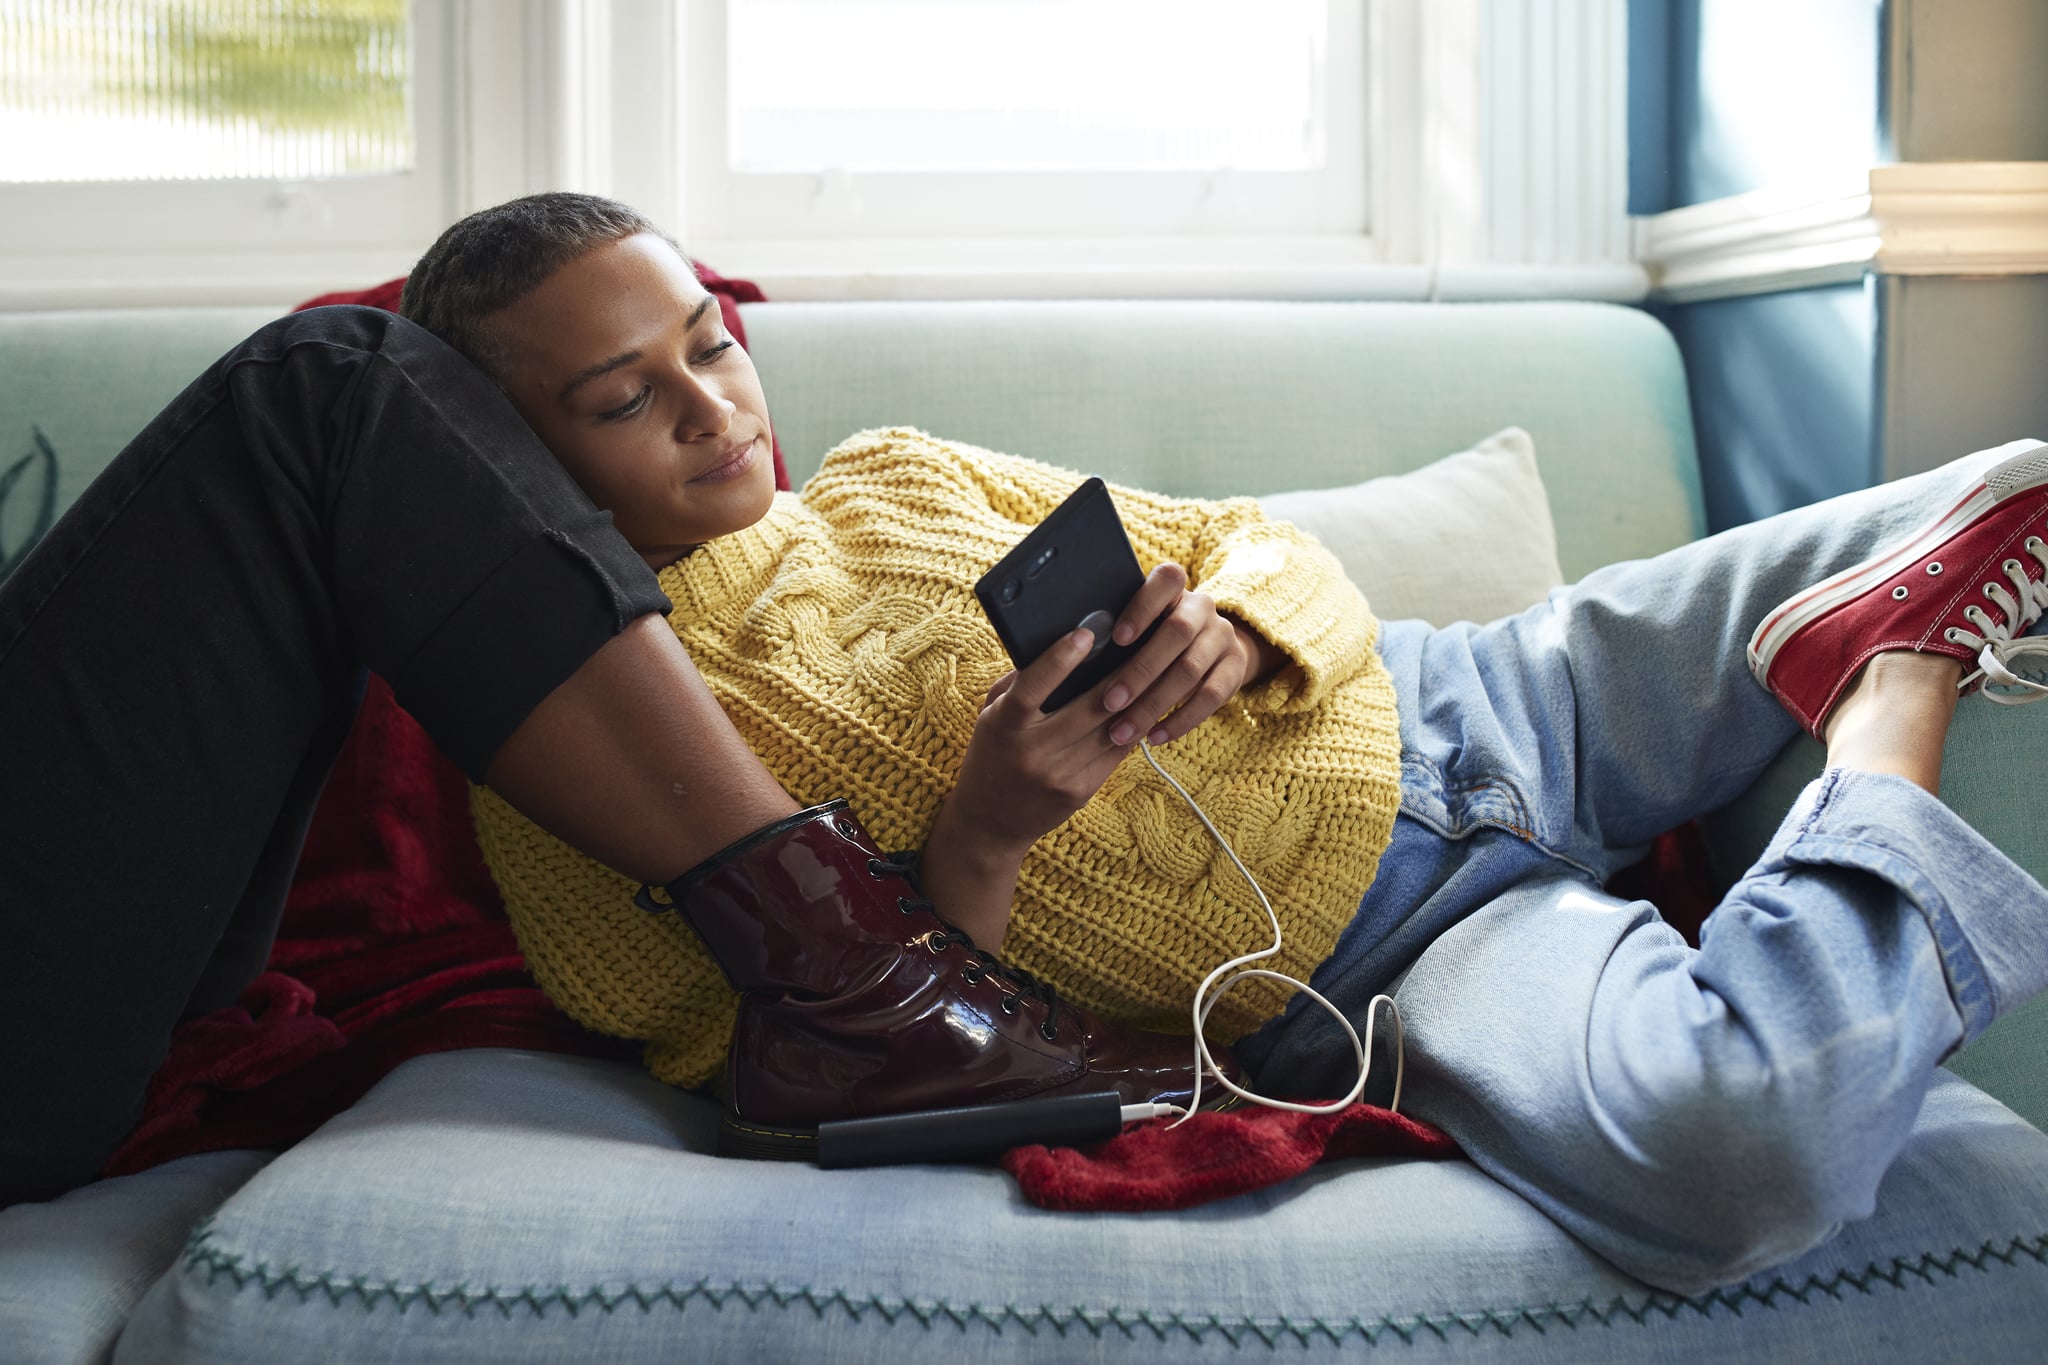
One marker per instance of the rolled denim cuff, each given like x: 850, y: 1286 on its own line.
x: 1988, y: 918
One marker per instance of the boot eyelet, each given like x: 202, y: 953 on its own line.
x: 1934, y: 568
x: 1049, y: 1033
x: 1899, y: 593
x: 1988, y: 590
x: 906, y: 905
x: 1009, y: 1004
x: 846, y: 827
x: 1952, y: 635
x: 972, y: 973
x: 2034, y: 543
x: 875, y: 868
x: 2011, y: 566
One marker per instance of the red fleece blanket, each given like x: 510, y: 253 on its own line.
x: 1159, y: 1165
x: 394, y: 944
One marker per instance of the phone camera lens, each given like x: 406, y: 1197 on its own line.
x: 1044, y: 558
x: 1012, y: 590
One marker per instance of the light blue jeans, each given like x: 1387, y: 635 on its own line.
x: 1692, y: 1115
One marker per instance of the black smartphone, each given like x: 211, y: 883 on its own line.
x: 1076, y: 570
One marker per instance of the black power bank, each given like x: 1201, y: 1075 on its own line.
x: 1076, y: 570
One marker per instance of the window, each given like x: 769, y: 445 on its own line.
x: 219, y: 150
x: 827, y: 148
x: 1293, y: 148
x: 203, y: 90
x: 1088, y: 118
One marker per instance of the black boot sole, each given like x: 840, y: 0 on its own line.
x: 751, y: 1141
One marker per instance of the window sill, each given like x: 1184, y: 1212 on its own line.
x: 1165, y: 269
x: 183, y: 279
x: 1962, y: 218
x: 1153, y: 268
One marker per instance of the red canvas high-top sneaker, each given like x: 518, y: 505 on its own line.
x: 1966, y: 585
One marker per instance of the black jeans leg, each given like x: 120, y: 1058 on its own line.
x: 179, y: 659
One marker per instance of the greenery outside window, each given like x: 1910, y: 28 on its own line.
x: 203, y: 89
x: 168, y: 151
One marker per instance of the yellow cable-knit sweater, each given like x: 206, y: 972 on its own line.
x: 842, y: 637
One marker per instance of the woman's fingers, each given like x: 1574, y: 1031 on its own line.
x: 1030, y: 686
x: 1160, y: 593
x: 1217, y: 687
x: 1164, y: 592
x: 1173, y: 665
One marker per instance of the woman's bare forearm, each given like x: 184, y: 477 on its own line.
x: 970, y: 877
x: 969, y: 870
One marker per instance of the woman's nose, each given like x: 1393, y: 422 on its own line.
x: 705, y: 411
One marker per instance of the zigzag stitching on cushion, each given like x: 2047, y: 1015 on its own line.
x: 201, y: 1257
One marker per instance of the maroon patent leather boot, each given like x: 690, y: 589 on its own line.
x: 856, y: 999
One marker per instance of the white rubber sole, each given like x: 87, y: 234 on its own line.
x: 2023, y: 471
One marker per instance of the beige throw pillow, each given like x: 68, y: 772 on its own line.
x: 1468, y: 538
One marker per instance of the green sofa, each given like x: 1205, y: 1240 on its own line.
x: 501, y: 1205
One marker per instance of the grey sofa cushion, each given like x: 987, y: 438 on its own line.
x: 1407, y: 539
x: 510, y: 1206
x: 71, y: 1269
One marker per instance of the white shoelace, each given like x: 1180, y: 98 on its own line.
x: 1998, y: 644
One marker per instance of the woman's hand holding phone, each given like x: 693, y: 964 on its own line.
x: 1051, y: 732
x: 1026, y: 770
x: 1195, y: 661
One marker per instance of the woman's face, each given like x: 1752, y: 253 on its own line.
x: 622, y: 364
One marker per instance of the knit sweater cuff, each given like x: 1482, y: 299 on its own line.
x: 1288, y: 588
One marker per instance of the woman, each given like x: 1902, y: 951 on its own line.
x: 342, y: 489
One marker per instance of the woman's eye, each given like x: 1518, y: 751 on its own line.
x: 716, y: 351
x: 626, y: 409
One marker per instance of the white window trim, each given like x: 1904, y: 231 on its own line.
x: 513, y: 96
x: 864, y: 206
x: 1510, y: 184
x: 1961, y: 218
x: 240, y: 241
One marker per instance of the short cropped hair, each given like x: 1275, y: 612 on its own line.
x: 497, y: 256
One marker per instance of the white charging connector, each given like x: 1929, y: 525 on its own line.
x: 1205, y: 1061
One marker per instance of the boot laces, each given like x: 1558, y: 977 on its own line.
x: 1022, y: 984
x: 2021, y: 601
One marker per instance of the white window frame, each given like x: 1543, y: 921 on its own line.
x: 727, y: 204
x: 1496, y: 146
x: 240, y: 241
x: 1497, y: 154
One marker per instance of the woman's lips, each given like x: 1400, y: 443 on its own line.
x: 731, y: 466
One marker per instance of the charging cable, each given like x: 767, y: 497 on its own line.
x: 1205, y: 1061
x: 1072, y: 1120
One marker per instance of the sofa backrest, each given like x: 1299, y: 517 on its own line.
x: 1213, y: 398
x: 1200, y: 398
x: 89, y: 380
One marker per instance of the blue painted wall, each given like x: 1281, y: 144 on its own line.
x: 1781, y: 397
x: 1728, y: 96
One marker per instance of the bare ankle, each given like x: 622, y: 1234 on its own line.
x: 1899, y: 678
x: 1895, y: 717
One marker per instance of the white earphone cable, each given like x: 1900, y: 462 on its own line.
x: 1205, y: 1061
